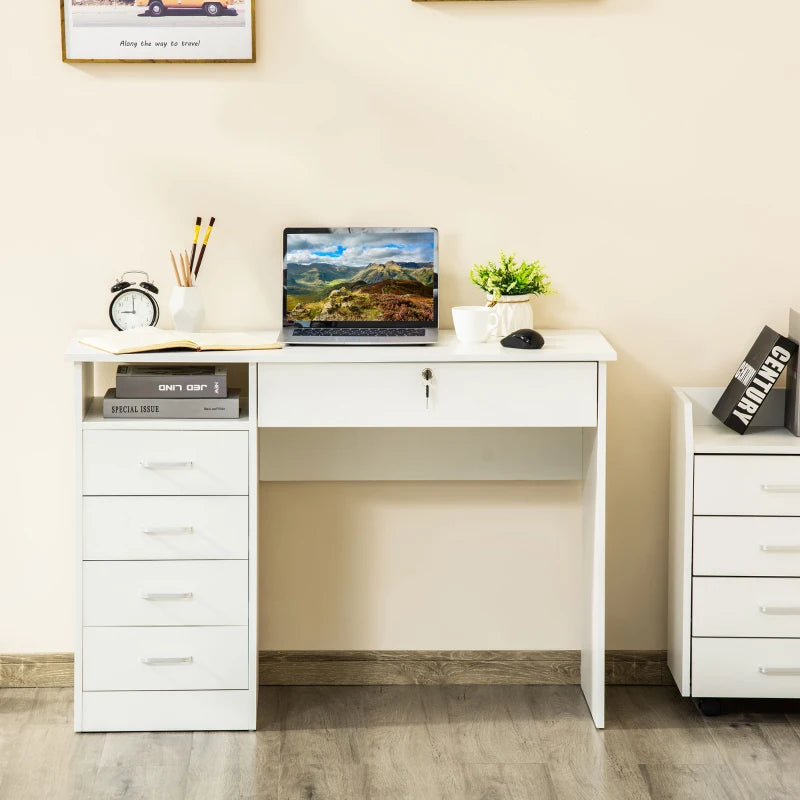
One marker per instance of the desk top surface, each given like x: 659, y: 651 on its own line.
x: 560, y: 345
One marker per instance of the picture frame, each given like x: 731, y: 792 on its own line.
x: 158, y: 31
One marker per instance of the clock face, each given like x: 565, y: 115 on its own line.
x: 133, y: 308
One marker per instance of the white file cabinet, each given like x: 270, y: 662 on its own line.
x: 166, y: 572
x: 734, y: 555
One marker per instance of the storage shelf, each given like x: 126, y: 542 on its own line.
x: 94, y: 419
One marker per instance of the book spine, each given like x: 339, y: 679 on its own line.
x: 172, y: 386
x: 168, y: 408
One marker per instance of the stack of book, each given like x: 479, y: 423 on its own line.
x: 148, y: 392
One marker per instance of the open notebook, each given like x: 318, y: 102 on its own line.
x: 145, y: 340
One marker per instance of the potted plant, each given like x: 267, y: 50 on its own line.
x: 509, y: 287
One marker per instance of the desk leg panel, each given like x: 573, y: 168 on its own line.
x: 593, y: 558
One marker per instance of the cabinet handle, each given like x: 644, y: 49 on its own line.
x: 779, y: 670
x: 167, y: 529
x: 167, y: 595
x: 781, y: 488
x: 780, y: 548
x: 779, y: 609
x: 168, y: 465
x: 155, y: 661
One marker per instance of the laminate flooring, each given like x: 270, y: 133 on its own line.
x: 420, y: 742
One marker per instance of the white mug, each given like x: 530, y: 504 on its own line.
x: 473, y: 323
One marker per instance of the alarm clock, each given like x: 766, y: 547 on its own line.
x: 133, y: 305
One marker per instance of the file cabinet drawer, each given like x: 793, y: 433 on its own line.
x: 164, y: 462
x: 123, y: 593
x: 747, y: 485
x: 768, y: 546
x: 127, y: 659
x: 745, y: 667
x: 555, y: 394
x: 117, y: 528
x: 759, y: 607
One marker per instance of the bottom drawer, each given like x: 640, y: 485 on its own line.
x: 200, y: 657
x: 745, y: 667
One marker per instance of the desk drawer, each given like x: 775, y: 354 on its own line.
x: 164, y: 462
x: 117, y: 528
x: 763, y: 607
x: 768, y: 546
x: 124, y: 659
x: 745, y: 667
x: 164, y: 593
x: 562, y: 394
x: 747, y: 485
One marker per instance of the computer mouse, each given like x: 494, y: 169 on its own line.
x: 524, y: 339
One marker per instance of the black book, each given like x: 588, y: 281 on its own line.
x: 753, y: 381
x: 204, y: 381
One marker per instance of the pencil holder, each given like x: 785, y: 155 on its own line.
x: 186, y: 305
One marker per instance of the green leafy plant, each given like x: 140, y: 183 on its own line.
x: 510, y: 278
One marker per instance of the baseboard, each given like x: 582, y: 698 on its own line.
x: 383, y: 667
x: 36, y: 670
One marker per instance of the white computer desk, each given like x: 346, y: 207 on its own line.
x: 310, y: 413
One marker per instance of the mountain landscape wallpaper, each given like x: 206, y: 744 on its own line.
x: 361, y: 277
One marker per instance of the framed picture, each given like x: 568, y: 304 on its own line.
x: 158, y: 30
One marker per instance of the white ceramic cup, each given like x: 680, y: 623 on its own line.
x: 473, y: 323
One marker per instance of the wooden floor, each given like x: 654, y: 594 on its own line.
x: 421, y: 742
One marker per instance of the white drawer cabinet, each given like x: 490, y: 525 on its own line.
x: 734, y: 554
x: 123, y: 462
x: 758, y: 607
x: 141, y: 528
x: 768, y: 546
x: 746, y: 667
x: 747, y: 485
x: 461, y: 395
x: 165, y: 593
x: 158, y: 659
x: 166, y: 572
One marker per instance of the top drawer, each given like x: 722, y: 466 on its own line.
x: 164, y: 462
x: 747, y: 485
x: 555, y: 394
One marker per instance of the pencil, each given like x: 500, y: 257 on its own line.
x: 188, y: 269
x: 175, y: 268
x: 185, y: 280
x: 198, y: 222
x: 203, y: 248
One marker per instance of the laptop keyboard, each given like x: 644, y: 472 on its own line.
x: 358, y: 332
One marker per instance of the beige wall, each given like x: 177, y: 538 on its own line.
x: 646, y: 150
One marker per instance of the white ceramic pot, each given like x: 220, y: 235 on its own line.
x: 513, y: 312
x: 186, y: 305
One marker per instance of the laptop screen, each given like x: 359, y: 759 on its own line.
x: 364, y: 276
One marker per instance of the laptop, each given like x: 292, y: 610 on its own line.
x: 360, y: 286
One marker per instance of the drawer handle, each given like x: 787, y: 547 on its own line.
x: 779, y: 670
x: 155, y: 661
x: 780, y: 548
x: 168, y: 530
x: 779, y: 609
x: 781, y: 488
x: 165, y: 464
x: 167, y: 595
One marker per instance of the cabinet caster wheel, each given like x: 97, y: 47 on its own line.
x: 709, y: 706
